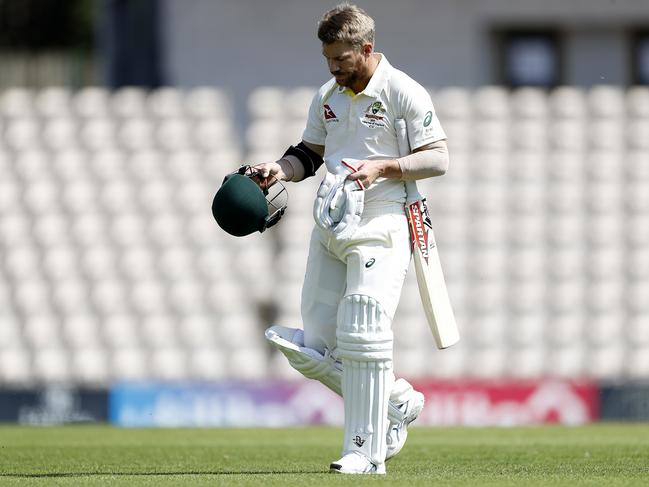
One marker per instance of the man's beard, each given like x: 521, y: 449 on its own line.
x: 349, y: 79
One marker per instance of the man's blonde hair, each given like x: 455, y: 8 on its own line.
x: 346, y: 23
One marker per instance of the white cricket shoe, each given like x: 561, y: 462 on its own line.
x: 398, y: 432
x: 356, y: 463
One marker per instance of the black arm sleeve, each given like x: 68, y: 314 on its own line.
x: 309, y: 159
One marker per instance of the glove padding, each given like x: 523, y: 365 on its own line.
x: 338, y: 205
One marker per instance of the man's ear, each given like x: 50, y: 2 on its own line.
x: 367, y: 48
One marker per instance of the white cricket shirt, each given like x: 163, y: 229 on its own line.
x: 361, y: 126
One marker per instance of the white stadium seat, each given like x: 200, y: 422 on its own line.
x: 16, y: 367
x: 606, y: 327
x: 148, y: 296
x: 491, y: 102
x: 70, y: 165
x: 487, y: 363
x: 32, y: 296
x: 129, y: 102
x: 636, y: 364
x: 136, y: 134
x: 109, y: 296
x: 169, y: 363
x: 605, y: 362
x: 53, y: 102
x: 137, y: 263
x: 637, y: 264
x: 60, y: 133
x: 126, y: 229
x: 98, y: 134
x: 636, y: 134
x: 186, y: 296
x: 208, y: 102
x: 568, y: 135
x: 52, y: 365
x: 567, y: 102
x: 145, y: 164
x: 453, y: 103
x: 81, y: 331
x: 91, y: 102
x: 99, y: 261
x: 527, y: 329
x: 158, y: 331
x: 90, y: 366
x: 71, y: 296
x: 605, y: 101
x: 635, y: 296
x: 174, y: 134
x: 165, y: 102
x: 198, y: 330
x: 120, y: 331
x: 530, y: 135
x: 60, y: 262
x: 108, y: 165
x: 17, y: 103
x: 526, y: 363
x: 267, y: 102
x: 206, y: 363
x: 129, y: 363
x: 298, y: 101
x: 637, y: 101
x: 213, y: 134
x: 566, y: 362
x: 529, y: 103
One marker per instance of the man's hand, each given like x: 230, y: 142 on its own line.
x: 368, y: 171
x: 268, y: 173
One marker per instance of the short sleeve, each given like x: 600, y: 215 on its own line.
x: 315, y: 132
x: 423, y: 125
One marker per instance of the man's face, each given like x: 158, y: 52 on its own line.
x: 346, y: 62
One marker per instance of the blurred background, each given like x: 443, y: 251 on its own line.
x: 121, y: 300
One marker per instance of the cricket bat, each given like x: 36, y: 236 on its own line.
x: 428, y: 268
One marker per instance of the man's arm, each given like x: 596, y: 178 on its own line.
x: 288, y: 168
x: 426, y: 161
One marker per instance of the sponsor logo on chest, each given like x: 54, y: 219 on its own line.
x: 374, y: 116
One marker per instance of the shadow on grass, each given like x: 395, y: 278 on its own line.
x: 144, y: 474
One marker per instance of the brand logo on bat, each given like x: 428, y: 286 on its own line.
x: 358, y: 441
x: 418, y: 232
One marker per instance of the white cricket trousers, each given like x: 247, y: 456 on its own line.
x: 373, y: 263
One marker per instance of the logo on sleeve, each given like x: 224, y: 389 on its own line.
x: 329, y: 113
x: 428, y: 118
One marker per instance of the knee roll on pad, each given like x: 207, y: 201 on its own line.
x: 364, y: 330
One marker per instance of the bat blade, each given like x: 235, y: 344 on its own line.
x: 430, y: 278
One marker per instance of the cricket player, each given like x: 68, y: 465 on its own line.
x: 360, y: 246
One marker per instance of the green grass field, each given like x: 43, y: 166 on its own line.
x: 609, y: 455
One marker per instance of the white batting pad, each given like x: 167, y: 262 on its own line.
x: 365, y: 347
x: 313, y: 365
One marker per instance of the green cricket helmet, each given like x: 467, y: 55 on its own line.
x: 241, y: 207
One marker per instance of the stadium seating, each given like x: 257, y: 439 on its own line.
x: 113, y: 269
